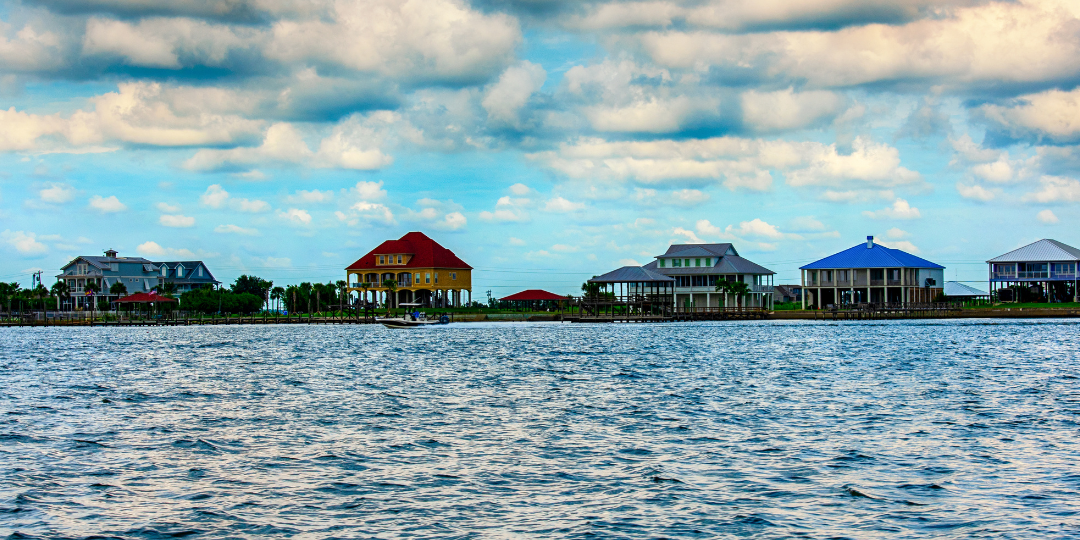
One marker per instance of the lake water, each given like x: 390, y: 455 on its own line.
x: 908, y: 429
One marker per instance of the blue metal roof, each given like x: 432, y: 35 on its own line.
x: 875, y: 256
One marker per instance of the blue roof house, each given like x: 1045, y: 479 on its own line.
x: 1043, y: 271
x: 871, y: 273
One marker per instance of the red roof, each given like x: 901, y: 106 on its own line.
x: 534, y: 294
x: 145, y: 297
x: 426, y: 253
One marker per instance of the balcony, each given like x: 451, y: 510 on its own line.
x: 1042, y: 274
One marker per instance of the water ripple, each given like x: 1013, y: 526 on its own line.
x: 913, y: 429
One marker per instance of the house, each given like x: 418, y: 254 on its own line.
x: 954, y: 290
x: 421, y: 270
x: 871, y: 273
x: 186, y: 275
x: 696, y: 268
x: 1043, y: 271
x: 787, y: 293
x: 136, y: 273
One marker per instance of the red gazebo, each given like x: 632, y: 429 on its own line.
x: 144, y: 298
x: 534, y: 298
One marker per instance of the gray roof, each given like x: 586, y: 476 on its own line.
x: 1042, y: 251
x: 630, y: 274
x: 955, y: 288
x: 189, y: 270
x: 103, y: 262
x: 705, y: 250
x: 731, y: 264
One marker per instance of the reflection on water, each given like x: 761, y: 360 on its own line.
x: 769, y: 430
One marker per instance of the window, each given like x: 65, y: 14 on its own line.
x: 661, y: 263
x: 686, y: 262
x: 382, y: 259
x: 697, y: 262
x: 436, y: 277
x: 200, y: 272
x: 399, y: 259
x: 841, y: 275
x: 676, y: 262
x: 453, y: 276
x: 708, y: 261
x: 164, y: 271
x: 418, y: 278
x: 826, y: 276
x: 427, y: 277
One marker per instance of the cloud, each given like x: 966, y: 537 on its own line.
x: 214, y: 196
x: 785, y: 109
x: 899, y: 210
x: 176, y: 220
x: 896, y: 233
x: 516, y: 241
x: 1052, y: 116
x: 1055, y: 189
x: 295, y: 216
x: 155, y: 250
x: 559, y: 205
x: 310, y: 197
x: 367, y: 191
x: 168, y: 208
x: 806, y: 224
x: 998, y: 172
x: 755, y: 227
x: 520, y: 190
x: 24, y: 242
x: 1047, y: 216
x: 56, y: 193
x: 250, y: 206
x: 988, y: 42
x: 508, y: 209
x: 682, y: 197
x: 737, y: 162
x: 235, y: 229
x: 902, y: 245
x: 442, y: 215
x: 107, y: 205
x: 504, y: 100
x: 975, y: 192
x: 686, y: 236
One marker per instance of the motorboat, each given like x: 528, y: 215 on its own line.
x: 412, y: 320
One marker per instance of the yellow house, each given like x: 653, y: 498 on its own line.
x: 420, y: 270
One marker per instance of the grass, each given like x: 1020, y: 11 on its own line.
x: 1042, y: 305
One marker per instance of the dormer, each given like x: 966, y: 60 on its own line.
x: 180, y: 271
x: 393, y: 259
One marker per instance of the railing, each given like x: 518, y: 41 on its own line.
x: 1034, y: 275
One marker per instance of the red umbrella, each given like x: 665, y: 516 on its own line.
x: 142, y: 297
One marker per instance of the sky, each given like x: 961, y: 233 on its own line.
x: 543, y: 141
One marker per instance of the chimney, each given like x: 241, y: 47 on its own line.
x: 110, y: 253
x: 869, y: 242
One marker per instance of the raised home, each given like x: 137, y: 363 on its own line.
x: 696, y: 268
x: 136, y: 273
x: 871, y: 273
x: 1043, y: 271
x: 421, y: 270
x: 186, y: 275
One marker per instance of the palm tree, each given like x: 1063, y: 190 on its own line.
x: 738, y: 288
x: 342, y: 289
x: 8, y: 291
x: 60, y: 290
x: 391, y: 287
x: 118, y: 289
x: 40, y: 292
x: 276, y: 294
x: 168, y: 289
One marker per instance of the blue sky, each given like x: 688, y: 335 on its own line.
x: 544, y: 141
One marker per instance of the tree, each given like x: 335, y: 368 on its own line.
x: 118, y: 289
x: 591, y: 290
x: 60, y: 290
x: 40, y: 292
x: 738, y: 288
x: 168, y: 289
x: 391, y: 287
x: 253, y: 285
x: 207, y: 300
x: 342, y: 289
x: 276, y: 294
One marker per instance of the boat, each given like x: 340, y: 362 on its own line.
x: 412, y: 320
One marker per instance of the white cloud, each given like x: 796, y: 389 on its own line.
x: 896, y: 233
x: 1053, y: 115
x: 176, y: 220
x: 236, y: 229
x: 155, y: 250
x: 168, y: 208
x: 311, y: 197
x: 736, y: 162
x: 899, y: 210
x: 107, y: 205
x: 520, y: 190
x: 974, y: 191
x: 681, y: 197
x: 453, y: 221
x: 687, y: 236
x: 56, y: 193
x: 999, y: 171
x: 1055, y: 189
x: 508, y: 209
x: 214, y: 196
x: 367, y: 191
x: 250, y: 206
x: 504, y: 100
x: 295, y: 216
x: 806, y: 224
x: 560, y: 205
x: 786, y: 109
x: 1047, y: 216
x: 24, y: 242
x: 985, y: 42
x: 516, y: 241
x: 902, y: 245
x: 755, y: 227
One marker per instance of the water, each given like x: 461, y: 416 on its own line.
x: 764, y: 430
